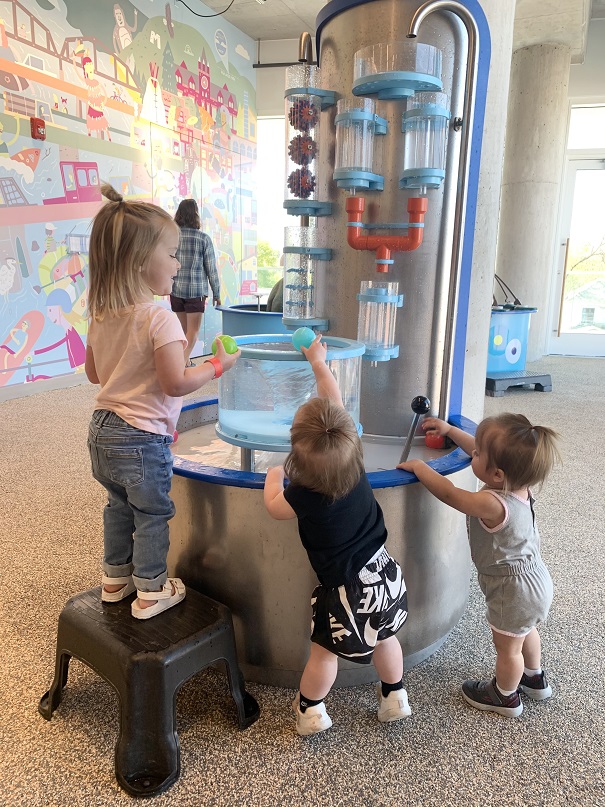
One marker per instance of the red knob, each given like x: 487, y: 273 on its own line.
x: 434, y: 441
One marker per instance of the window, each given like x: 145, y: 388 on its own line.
x: 587, y: 316
x: 587, y: 127
x: 271, y: 167
x: 68, y: 177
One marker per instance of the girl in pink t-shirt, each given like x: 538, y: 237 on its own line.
x: 135, y: 351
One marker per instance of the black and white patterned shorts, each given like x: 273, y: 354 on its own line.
x: 350, y: 619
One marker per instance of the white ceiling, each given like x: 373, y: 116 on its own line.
x: 562, y: 22
x: 536, y: 21
x: 272, y: 19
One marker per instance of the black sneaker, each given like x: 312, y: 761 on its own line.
x: 486, y: 696
x: 535, y: 687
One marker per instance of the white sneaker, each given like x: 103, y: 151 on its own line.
x: 394, y: 707
x: 313, y: 720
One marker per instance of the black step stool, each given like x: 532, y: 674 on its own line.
x: 146, y: 661
x: 496, y: 384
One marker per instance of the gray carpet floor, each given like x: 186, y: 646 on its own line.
x: 446, y: 754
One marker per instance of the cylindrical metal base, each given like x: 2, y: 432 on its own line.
x: 224, y: 543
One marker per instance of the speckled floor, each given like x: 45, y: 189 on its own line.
x: 446, y: 754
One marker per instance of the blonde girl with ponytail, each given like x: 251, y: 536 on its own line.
x: 135, y: 353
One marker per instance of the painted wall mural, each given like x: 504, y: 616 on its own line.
x: 142, y: 94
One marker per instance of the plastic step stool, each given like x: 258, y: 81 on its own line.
x: 146, y: 661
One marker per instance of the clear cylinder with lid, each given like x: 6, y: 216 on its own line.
x: 302, y: 131
x: 425, y: 125
x: 392, y: 70
x: 354, y: 134
x: 300, y: 270
x: 378, y: 304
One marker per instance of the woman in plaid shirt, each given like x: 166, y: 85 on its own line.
x: 198, y: 269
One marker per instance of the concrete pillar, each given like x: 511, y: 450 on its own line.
x: 500, y: 17
x: 533, y: 166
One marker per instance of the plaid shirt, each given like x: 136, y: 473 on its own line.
x: 198, y: 266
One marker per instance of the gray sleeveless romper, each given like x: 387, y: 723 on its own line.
x: 517, y: 586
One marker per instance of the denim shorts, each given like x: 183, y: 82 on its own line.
x: 350, y: 619
x: 135, y: 468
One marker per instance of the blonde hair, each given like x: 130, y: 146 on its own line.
x: 526, y: 454
x: 326, y: 454
x: 123, y: 238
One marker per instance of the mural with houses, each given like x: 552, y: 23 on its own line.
x: 139, y: 93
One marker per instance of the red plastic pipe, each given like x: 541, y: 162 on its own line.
x: 383, y: 245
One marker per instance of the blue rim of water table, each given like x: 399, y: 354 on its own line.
x: 450, y: 463
x: 247, y: 308
x: 345, y: 348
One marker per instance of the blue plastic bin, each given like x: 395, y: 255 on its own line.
x: 508, y: 333
x: 241, y: 320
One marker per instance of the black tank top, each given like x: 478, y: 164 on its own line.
x: 341, y: 536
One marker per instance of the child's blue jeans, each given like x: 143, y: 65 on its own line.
x: 135, y: 467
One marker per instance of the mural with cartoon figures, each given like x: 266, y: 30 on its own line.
x: 139, y: 93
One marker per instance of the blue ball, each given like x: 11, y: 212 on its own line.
x: 303, y: 337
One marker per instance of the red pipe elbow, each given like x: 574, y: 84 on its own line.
x: 383, y: 245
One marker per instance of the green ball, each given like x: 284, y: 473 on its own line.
x: 229, y: 344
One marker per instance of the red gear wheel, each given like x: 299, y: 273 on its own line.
x: 303, y: 115
x: 302, y: 149
x: 301, y: 183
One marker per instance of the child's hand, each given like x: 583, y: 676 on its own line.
x: 275, y: 475
x: 317, y: 350
x: 435, y: 426
x: 227, y: 360
x: 410, y: 465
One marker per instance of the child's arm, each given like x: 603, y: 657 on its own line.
x: 327, y: 386
x: 89, y: 366
x: 480, y: 505
x: 176, y: 380
x: 440, y: 427
x: 273, y: 494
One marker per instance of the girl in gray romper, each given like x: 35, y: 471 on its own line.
x: 509, y: 456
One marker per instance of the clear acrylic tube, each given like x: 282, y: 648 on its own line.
x: 425, y: 127
x: 300, y: 274
x: 302, y: 132
x: 355, y: 138
x: 377, y: 319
